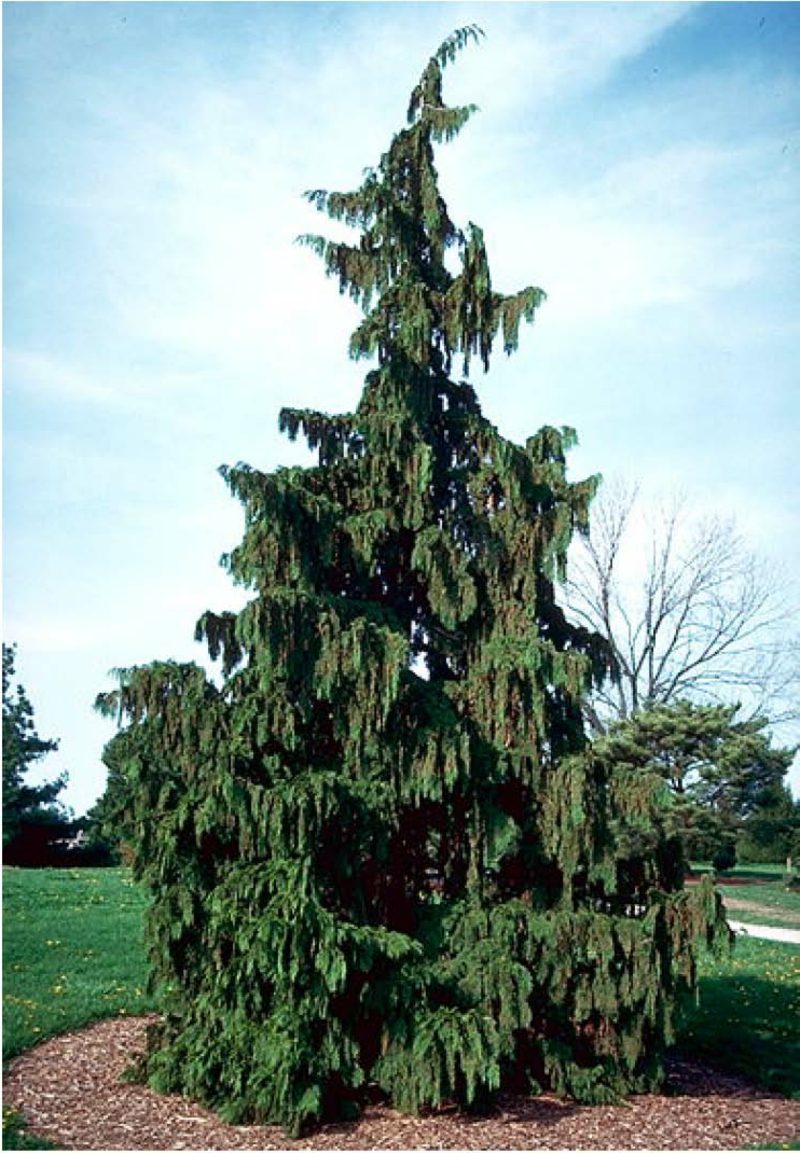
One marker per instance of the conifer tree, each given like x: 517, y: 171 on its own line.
x: 721, y: 771
x: 381, y: 857
x: 24, y: 805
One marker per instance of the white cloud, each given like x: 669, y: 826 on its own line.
x: 536, y: 53
x: 41, y: 377
x: 46, y: 634
x: 35, y: 374
x: 667, y: 224
x: 191, y: 199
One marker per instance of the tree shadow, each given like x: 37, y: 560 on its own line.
x: 747, y: 1025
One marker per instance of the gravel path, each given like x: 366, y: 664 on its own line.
x: 766, y: 932
x: 790, y: 918
x: 69, y: 1090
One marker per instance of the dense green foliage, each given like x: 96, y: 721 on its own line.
x: 379, y: 851
x: 772, y: 831
x: 73, y: 951
x: 96, y: 918
x: 31, y: 813
x: 105, y: 822
x: 725, y: 776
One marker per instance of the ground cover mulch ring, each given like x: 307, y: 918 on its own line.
x: 69, y: 1090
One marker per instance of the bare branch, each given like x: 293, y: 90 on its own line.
x: 688, y: 610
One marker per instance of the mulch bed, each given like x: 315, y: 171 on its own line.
x: 69, y: 1091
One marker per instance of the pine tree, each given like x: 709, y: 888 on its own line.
x: 721, y: 771
x: 380, y: 854
x: 24, y: 804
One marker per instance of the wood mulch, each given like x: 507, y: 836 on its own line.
x: 69, y: 1091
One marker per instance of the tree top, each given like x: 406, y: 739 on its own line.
x: 417, y: 313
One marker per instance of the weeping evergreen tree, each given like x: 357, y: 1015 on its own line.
x: 380, y: 855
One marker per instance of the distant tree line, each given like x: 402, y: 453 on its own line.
x: 38, y: 829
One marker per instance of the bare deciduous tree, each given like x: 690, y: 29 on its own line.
x: 690, y: 612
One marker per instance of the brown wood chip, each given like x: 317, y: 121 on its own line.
x: 69, y: 1091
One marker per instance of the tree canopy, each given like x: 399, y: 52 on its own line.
x: 689, y: 611
x: 23, y: 748
x: 721, y: 771
x: 381, y: 856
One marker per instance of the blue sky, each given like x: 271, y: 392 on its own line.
x: 638, y: 161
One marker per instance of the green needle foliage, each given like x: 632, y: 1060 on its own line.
x: 380, y: 854
x: 27, y: 808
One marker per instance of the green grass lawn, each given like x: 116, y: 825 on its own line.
x: 748, y: 1017
x: 760, y: 886
x: 72, y: 951
x: 765, y: 870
